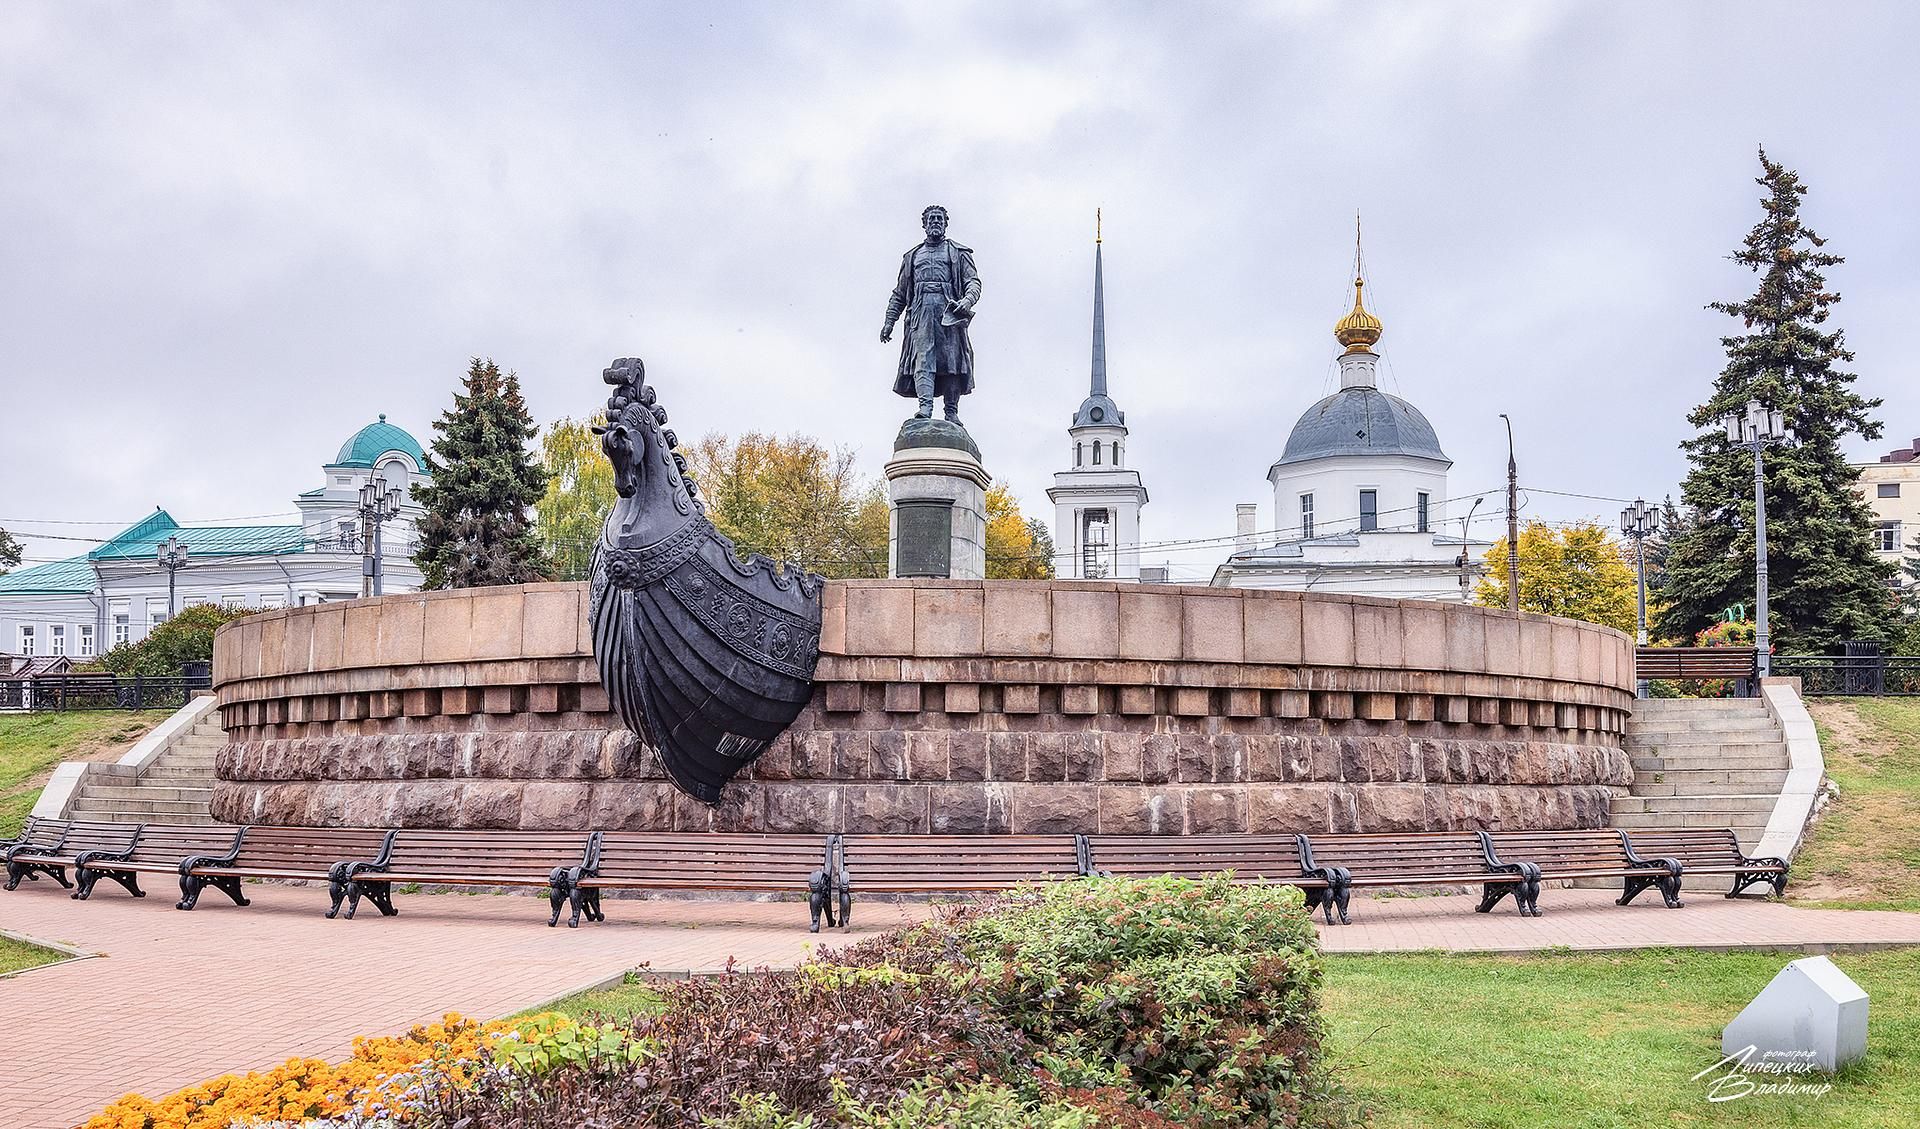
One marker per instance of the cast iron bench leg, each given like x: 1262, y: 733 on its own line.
x: 557, y: 887
x: 819, y: 890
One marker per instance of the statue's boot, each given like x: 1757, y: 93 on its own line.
x: 923, y: 385
x: 953, y: 407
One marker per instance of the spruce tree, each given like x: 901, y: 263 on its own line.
x: 1826, y: 585
x: 475, y: 531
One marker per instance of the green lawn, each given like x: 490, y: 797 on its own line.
x: 1864, y: 853
x: 1593, y: 1040
x: 32, y: 743
x: 18, y: 955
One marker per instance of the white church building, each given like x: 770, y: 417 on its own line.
x: 117, y: 592
x: 1096, y: 504
x: 1359, y: 495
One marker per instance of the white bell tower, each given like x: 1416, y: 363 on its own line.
x: 1096, y: 503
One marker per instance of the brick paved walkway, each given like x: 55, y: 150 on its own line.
x: 182, y: 997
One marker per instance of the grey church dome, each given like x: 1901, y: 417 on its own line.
x: 1361, y: 421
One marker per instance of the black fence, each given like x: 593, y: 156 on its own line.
x: 1855, y: 675
x: 61, y: 692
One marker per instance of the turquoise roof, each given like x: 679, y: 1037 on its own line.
x: 142, y: 540
x: 73, y: 576
x: 376, y: 439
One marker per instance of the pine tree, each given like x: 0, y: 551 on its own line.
x: 1826, y: 585
x: 475, y: 530
x: 1674, y: 525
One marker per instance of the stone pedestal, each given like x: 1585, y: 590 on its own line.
x: 937, y: 493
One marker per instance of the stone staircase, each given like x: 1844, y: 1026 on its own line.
x: 1703, y: 762
x: 176, y: 786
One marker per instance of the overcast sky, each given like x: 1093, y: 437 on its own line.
x: 233, y: 233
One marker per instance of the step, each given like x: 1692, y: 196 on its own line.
x: 1739, y: 821
x: 1748, y: 750
x: 168, y: 761
x: 1653, y: 734
x: 1656, y: 805
x: 1773, y: 762
x: 124, y: 809
x: 1720, y: 780
x: 171, y: 819
x: 176, y: 780
x: 1698, y: 707
x: 145, y: 791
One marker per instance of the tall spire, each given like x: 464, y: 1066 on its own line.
x: 1359, y: 331
x: 1099, y: 316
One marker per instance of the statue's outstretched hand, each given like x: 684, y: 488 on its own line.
x: 886, y: 334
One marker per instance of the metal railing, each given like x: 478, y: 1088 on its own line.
x: 1854, y: 675
x: 63, y: 692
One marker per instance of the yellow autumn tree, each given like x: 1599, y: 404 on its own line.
x: 578, y: 495
x: 1578, y: 572
x: 1018, y: 547
x: 792, y: 499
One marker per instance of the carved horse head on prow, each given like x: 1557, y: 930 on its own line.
x: 657, y: 498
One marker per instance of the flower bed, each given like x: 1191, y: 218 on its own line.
x: 1109, y: 1002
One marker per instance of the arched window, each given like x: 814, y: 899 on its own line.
x: 1116, y: 452
x: 1079, y: 450
x: 1096, y: 452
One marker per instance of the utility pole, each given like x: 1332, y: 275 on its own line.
x: 173, y: 558
x: 377, y: 507
x: 1513, y: 522
x: 1754, y: 429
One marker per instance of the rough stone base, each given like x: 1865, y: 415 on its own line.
x: 1376, y: 778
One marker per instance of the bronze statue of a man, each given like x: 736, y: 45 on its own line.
x: 937, y: 290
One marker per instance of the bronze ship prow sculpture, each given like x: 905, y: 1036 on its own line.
x: 705, y: 656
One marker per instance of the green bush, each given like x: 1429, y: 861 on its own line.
x: 187, y: 637
x: 1196, y: 999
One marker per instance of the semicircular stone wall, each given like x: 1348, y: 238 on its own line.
x: 947, y: 706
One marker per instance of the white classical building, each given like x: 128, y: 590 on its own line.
x: 116, y: 593
x: 1096, y: 504
x: 1891, y: 488
x: 1359, y: 495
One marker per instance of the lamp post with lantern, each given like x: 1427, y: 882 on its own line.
x: 1638, y: 521
x: 1755, y: 428
x: 172, y: 554
x: 377, y: 507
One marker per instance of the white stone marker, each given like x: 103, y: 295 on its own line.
x: 1810, y: 1009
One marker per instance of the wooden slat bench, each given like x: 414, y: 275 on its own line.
x: 1711, y: 850
x: 639, y: 860
x: 1251, y: 858
x: 309, y: 854
x: 471, y: 858
x: 1739, y: 663
x: 1600, y: 853
x: 160, y: 850
x: 81, y: 837
x: 1435, y: 858
x: 928, y: 864
x: 38, y: 836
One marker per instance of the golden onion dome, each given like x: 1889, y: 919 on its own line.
x: 1359, y: 329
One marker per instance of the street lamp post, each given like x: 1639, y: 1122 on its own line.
x: 1638, y: 521
x: 1513, y: 522
x: 173, y: 557
x: 377, y: 507
x: 1465, y: 560
x: 1754, y: 428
